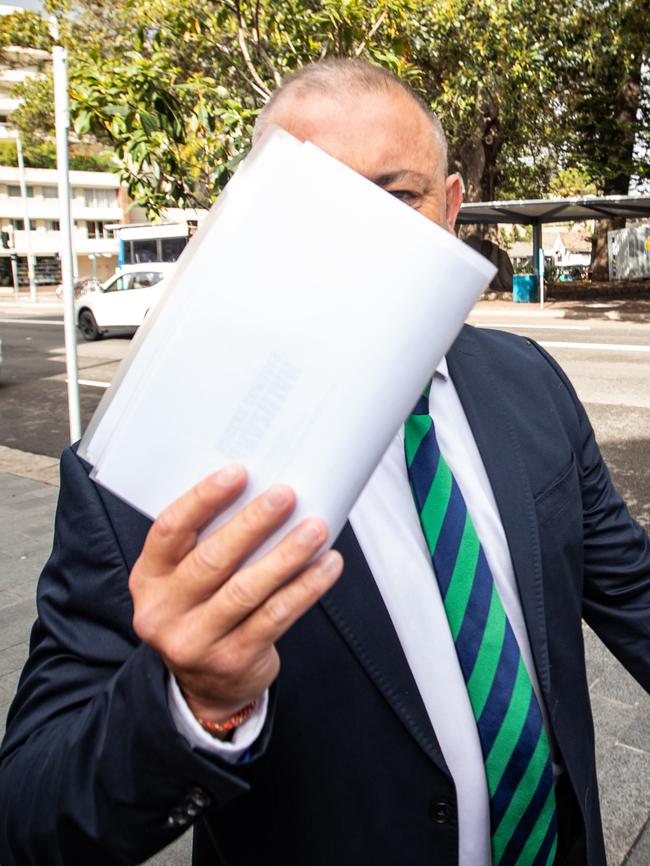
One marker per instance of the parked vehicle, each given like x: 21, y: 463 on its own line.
x: 120, y: 304
x: 81, y: 287
x: 147, y: 245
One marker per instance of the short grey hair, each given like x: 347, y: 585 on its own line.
x: 348, y: 76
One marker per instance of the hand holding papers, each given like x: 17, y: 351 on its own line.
x: 296, y: 334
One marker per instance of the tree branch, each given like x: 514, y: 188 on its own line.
x: 261, y: 87
x: 375, y: 27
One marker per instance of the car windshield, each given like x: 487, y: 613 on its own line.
x: 132, y: 280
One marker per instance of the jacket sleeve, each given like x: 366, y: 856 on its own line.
x: 616, y: 555
x: 92, y: 768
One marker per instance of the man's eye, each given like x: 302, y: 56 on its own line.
x: 404, y: 195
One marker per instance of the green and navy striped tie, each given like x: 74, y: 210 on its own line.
x: 515, y: 746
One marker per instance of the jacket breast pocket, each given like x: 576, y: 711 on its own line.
x: 561, y: 497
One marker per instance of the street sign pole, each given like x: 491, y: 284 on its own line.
x: 59, y: 56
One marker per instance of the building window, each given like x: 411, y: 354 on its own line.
x: 52, y: 225
x: 97, y: 229
x: 14, y: 191
x: 18, y: 225
x: 50, y: 192
x: 100, y: 197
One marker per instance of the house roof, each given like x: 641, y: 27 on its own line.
x: 576, y: 242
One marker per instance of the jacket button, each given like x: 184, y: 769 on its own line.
x: 178, y: 818
x: 442, y: 812
x: 199, y: 797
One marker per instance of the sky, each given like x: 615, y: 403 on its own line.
x: 24, y: 4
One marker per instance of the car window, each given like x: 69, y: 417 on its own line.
x: 121, y: 284
x: 146, y: 279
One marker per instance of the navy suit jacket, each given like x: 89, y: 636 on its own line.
x: 348, y: 771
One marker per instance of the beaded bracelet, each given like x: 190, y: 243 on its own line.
x: 230, y: 724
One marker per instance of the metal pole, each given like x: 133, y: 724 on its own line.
x: 28, y: 226
x: 59, y: 56
x: 14, y: 261
x: 14, y: 274
x: 537, y: 245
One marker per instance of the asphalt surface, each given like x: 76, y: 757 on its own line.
x: 606, y: 353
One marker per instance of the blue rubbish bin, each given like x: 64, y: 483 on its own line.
x: 524, y: 288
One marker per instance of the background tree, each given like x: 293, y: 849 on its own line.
x: 175, y: 89
x: 608, y: 95
x: 35, y: 113
x: 486, y: 68
x: 25, y: 29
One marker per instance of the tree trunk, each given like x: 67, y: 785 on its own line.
x: 626, y: 106
x: 476, y: 159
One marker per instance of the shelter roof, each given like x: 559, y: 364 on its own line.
x: 552, y: 210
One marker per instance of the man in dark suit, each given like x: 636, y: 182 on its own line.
x: 313, y: 721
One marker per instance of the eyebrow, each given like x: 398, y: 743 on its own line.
x: 403, y: 174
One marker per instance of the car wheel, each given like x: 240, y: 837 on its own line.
x: 88, y: 326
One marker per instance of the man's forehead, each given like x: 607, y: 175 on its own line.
x: 373, y: 132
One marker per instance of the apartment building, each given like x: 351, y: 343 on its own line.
x: 17, y: 65
x: 96, y: 202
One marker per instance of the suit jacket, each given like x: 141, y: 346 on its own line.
x: 348, y: 769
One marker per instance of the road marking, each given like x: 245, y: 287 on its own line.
x: 41, y: 305
x: 607, y: 347
x: 57, y: 322
x: 541, y: 314
x: 94, y: 383
x: 535, y: 327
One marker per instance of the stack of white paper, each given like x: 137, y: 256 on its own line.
x: 298, y: 330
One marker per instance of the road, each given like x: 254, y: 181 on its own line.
x: 607, y: 361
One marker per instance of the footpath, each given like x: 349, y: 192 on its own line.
x: 28, y: 493
x: 609, y: 306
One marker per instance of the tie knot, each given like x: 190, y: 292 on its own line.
x: 422, y: 406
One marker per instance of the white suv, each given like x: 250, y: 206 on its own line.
x: 120, y: 304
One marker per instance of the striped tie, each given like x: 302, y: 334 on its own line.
x: 509, y: 720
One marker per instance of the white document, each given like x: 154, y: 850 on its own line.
x: 302, y: 323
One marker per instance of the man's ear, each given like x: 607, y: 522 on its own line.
x: 454, y: 189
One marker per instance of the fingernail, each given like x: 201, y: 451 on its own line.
x: 229, y: 475
x: 311, y: 533
x: 330, y: 563
x: 276, y: 497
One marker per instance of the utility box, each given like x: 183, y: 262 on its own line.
x: 524, y: 288
x: 629, y: 253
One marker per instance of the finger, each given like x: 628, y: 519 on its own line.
x: 251, y: 586
x: 173, y: 534
x: 213, y: 561
x: 284, y: 607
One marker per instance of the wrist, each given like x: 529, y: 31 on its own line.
x: 224, y: 728
x: 219, y: 721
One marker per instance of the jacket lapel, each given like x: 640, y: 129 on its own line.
x: 357, y: 609
x: 496, y: 437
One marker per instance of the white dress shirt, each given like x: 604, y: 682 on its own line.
x: 387, y: 527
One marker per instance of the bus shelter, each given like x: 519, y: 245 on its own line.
x: 537, y: 212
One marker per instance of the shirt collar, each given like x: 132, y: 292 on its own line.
x: 442, y: 370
